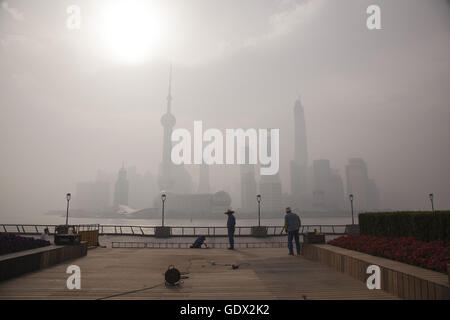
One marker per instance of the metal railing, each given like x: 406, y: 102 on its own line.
x: 185, y: 245
x: 176, y: 231
x: 34, y: 229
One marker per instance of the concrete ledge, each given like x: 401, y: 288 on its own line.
x: 18, y: 263
x: 312, y: 238
x: 448, y: 272
x: 403, y: 280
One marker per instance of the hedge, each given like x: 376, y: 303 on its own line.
x: 10, y: 243
x: 433, y: 255
x: 424, y: 226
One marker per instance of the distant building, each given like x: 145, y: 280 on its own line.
x: 248, y: 185
x: 271, y: 191
x: 321, y: 173
x: 121, y: 188
x: 328, y: 189
x: 364, y: 190
x: 142, y: 189
x: 195, y: 205
x: 337, y: 195
x: 299, y: 166
x: 271, y: 197
x: 374, y: 195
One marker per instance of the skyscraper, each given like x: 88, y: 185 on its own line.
x: 328, y: 190
x: 142, y: 188
x: 321, y: 175
x: 121, y: 188
x: 165, y: 179
x: 358, y: 183
x: 337, y: 196
x: 248, y: 184
x: 270, y: 190
x: 299, y: 165
x: 374, y: 195
x: 300, y: 151
x: 171, y: 177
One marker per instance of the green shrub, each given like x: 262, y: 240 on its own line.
x: 424, y: 226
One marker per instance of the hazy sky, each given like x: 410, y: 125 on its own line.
x: 73, y: 101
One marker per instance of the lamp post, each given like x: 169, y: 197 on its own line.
x: 350, y: 196
x: 259, y: 231
x: 258, y: 198
x: 68, y: 196
x: 432, y: 202
x: 163, y: 199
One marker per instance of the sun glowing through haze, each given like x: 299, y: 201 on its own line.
x: 133, y: 31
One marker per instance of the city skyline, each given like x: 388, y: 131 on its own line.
x: 315, y: 188
x: 69, y: 108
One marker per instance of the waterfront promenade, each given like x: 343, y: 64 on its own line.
x: 263, y: 273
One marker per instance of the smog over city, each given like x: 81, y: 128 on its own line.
x: 232, y: 158
x: 101, y: 99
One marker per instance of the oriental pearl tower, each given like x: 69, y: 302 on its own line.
x: 165, y: 179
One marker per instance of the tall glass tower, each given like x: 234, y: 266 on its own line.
x: 299, y: 165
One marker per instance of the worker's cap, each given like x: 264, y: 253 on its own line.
x: 229, y: 211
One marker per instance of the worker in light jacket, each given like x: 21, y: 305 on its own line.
x: 291, y: 226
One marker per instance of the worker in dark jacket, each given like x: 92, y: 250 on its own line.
x: 231, y: 223
x: 199, y: 242
x: 292, y: 225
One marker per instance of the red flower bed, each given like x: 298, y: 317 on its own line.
x: 432, y: 255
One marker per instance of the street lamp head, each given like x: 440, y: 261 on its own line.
x: 350, y: 196
x: 68, y: 196
x: 431, y: 196
x: 258, y: 198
